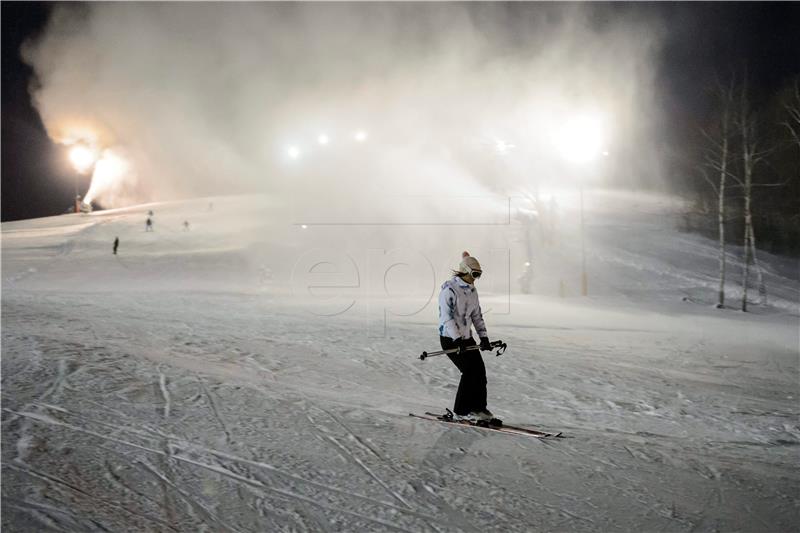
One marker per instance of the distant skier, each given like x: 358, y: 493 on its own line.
x: 185, y: 225
x: 459, y: 308
x: 116, y: 244
x: 148, y: 225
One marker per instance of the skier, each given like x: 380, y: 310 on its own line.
x: 459, y: 309
x: 185, y: 225
x: 116, y: 244
x: 148, y: 225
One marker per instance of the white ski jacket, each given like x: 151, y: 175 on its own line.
x: 458, y: 309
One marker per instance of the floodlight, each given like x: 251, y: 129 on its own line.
x: 581, y: 138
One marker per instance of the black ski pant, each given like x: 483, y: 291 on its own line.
x: 471, y: 395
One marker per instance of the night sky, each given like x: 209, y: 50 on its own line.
x: 703, y: 39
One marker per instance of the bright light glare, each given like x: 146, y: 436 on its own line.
x: 323, y: 139
x: 581, y: 138
x: 82, y: 158
x: 360, y: 136
x: 293, y: 152
x: 502, y: 147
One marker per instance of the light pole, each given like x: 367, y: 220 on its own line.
x: 584, y: 278
x: 580, y: 141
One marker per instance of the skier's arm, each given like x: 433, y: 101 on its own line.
x: 447, y: 307
x: 477, y: 321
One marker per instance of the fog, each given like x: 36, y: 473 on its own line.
x: 185, y: 100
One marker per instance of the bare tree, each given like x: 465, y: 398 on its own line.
x: 792, y: 107
x: 752, y: 155
x: 717, y: 158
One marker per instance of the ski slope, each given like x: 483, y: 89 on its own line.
x: 255, y: 373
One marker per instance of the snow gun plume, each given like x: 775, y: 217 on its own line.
x: 126, y: 73
x: 112, y: 179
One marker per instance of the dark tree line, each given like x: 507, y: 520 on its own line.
x: 742, y: 171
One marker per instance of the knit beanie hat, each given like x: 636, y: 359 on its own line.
x: 468, y: 264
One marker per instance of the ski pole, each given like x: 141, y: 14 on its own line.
x: 500, y: 345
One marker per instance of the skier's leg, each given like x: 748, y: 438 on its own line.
x: 471, y: 396
x: 465, y: 395
x: 460, y: 407
x: 477, y: 382
x: 474, y: 380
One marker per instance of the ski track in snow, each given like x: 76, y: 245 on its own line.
x: 225, y: 410
x: 599, y: 414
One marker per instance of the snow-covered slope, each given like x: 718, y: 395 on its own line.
x: 253, y: 374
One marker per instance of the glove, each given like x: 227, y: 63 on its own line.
x: 485, y: 346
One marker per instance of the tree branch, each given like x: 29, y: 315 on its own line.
x: 710, y: 182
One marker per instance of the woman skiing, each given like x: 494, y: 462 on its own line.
x: 459, y: 309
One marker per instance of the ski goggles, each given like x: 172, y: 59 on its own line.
x: 474, y: 273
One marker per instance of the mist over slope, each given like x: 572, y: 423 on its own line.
x: 634, y: 252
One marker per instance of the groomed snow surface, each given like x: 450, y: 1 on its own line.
x: 187, y: 384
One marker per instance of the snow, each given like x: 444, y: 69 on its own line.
x: 190, y: 383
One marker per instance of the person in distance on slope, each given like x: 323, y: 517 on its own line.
x: 459, y: 309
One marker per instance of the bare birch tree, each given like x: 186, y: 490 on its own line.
x: 752, y: 155
x: 717, y: 158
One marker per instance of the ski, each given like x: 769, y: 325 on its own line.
x: 447, y: 418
